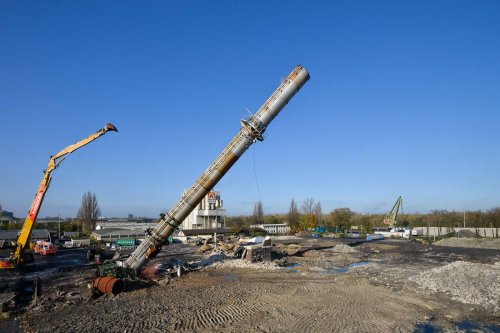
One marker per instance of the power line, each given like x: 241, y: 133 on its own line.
x: 255, y: 175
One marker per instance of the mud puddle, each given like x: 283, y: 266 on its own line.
x: 345, y: 268
x: 298, y: 267
x: 463, y: 326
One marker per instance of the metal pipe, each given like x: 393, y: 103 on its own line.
x: 251, y: 130
x: 108, y: 285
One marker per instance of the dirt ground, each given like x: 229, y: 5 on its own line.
x: 324, y: 286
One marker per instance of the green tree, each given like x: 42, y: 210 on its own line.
x: 341, y: 217
x: 235, y: 224
x: 493, y: 216
x: 273, y: 219
x: 308, y: 221
x: 313, y: 216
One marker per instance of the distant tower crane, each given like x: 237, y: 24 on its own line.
x: 391, y: 217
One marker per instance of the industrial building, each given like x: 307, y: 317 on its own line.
x: 276, y: 229
x: 124, y: 224
x: 208, y: 214
x: 112, y: 234
x: 9, y: 237
x: 6, y: 217
x: 6, y: 214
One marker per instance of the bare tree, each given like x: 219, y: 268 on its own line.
x: 308, y: 206
x: 258, y: 213
x: 89, y: 211
x: 293, y: 216
x: 310, y: 219
x: 318, y: 213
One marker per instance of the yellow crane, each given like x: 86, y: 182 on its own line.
x: 19, y: 257
x: 391, y: 217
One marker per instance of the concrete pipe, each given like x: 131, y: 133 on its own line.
x: 108, y: 285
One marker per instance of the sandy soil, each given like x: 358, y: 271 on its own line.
x: 322, y: 290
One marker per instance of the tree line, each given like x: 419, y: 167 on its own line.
x: 85, y: 221
x: 310, y: 216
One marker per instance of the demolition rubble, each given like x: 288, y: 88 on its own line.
x: 277, y: 285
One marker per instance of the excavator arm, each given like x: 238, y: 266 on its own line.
x: 55, y: 161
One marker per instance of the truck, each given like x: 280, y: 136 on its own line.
x: 83, y: 242
x: 252, y: 130
x: 21, y: 254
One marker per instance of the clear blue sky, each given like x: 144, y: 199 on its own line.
x: 404, y: 99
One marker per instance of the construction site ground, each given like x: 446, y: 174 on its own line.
x: 312, y: 285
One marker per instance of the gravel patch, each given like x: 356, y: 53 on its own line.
x: 469, y: 283
x: 223, y: 261
x: 284, y: 237
x: 342, y: 248
x: 481, y: 243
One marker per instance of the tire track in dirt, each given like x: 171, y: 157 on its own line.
x: 221, y: 315
x: 254, y: 303
x: 306, y: 303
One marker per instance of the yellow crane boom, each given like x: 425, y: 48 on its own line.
x: 55, y: 161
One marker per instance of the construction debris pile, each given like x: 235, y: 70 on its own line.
x: 469, y: 283
x: 222, y: 261
x: 304, y: 273
x: 251, y: 249
x: 288, y: 250
x: 342, y: 248
x: 480, y: 243
x: 57, y: 299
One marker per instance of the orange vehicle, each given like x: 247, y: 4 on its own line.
x: 44, y: 248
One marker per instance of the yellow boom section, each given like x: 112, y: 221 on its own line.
x: 24, y: 237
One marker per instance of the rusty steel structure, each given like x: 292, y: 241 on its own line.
x: 251, y: 130
x: 108, y: 285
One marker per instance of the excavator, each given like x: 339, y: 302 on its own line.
x: 391, y: 217
x: 110, y: 278
x: 21, y: 255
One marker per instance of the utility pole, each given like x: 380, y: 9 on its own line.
x: 59, y: 220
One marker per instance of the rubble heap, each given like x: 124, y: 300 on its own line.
x: 467, y: 282
x: 342, y: 248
